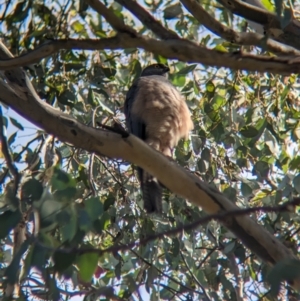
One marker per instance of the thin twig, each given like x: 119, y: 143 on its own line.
x: 92, y: 158
x: 206, y: 257
x: 109, y: 171
x: 18, y: 156
x: 239, y: 283
x: 164, y: 274
x: 288, y: 206
x: 6, y: 153
x: 5, y: 10
x: 194, y: 277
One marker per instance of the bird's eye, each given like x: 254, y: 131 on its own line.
x: 156, y: 66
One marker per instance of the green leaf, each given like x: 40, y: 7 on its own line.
x: 118, y: 270
x: 48, y: 208
x: 172, y: 11
x: 84, y: 221
x: 109, y: 72
x: 83, y: 175
x: 39, y: 256
x: 246, y: 190
x: 218, y: 131
x: 109, y: 201
x: 65, y: 195
x: 205, y: 155
x: 20, y: 12
x: 278, y: 8
x: 78, y: 27
x: 104, y: 222
x: 296, y: 183
x: 152, y: 276
x: 196, y: 143
x: 175, y: 247
x: 27, y: 263
x: 9, y: 220
x: 69, y: 229
x: 178, y: 79
x: 212, y: 113
x: 210, y: 87
x: 12, y: 138
x: 67, y: 98
x: 221, y: 48
x: 62, y: 260
x: 160, y: 59
x: 91, y: 98
x: 187, y: 69
x: 285, y: 270
x: 230, y: 193
x: 135, y: 68
x: 229, y: 247
x: 240, y: 252
x: 4, y: 121
x: 268, y: 5
x: 16, y: 123
x: 218, y: 102
x: 94, y: 207
x: 62, y: 180
x: 32, y: 189
x: 295, y: 163
x: 202, y: 165
x: 249, y: 131
x: 261, y: 168
x: 242, y: 162
x: 87, y: 264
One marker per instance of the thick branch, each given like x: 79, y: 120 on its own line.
x: 110, y: 16
x: 132, y: 149
x: 288, y: 35
x: 173, y: 49
x: 148, y: 20
x: 253, y: 25
x: 253, y: 13
x: 203, y: 17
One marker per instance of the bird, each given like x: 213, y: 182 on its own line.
x: 157, y: 113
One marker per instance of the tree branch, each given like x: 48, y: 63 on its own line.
x: 182, y: 50
x: 272, y: 24
x: 148, y: 20
x: 232, y: 36
x: 110, y: 17
x: 252, y: 13
x: 192, y: 275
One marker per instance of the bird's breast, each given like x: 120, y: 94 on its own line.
x: 163, y: 110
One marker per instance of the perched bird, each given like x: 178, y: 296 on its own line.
x: 156, y: 113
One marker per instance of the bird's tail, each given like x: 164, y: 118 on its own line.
x: 152, y: 192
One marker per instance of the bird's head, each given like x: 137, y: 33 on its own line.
x: 156, y: 69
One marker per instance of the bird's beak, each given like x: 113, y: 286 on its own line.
x: 166, y: 69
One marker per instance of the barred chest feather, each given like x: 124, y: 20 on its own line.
x: 164, y: 111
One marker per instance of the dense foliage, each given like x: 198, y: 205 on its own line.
x: 245, y: 143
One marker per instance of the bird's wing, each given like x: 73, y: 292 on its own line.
x: 151, y: 189
x: 134, y: 124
